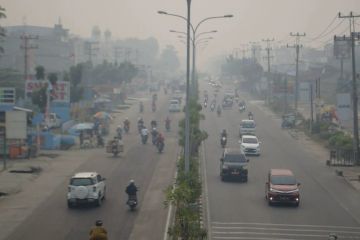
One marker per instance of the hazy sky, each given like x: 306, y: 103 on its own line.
x: 253, y: 19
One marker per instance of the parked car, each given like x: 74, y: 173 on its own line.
x: 247, y: 127
x: 233, y: 164
x: 86, y: 187
x: 250, y: 145
x: 282, y: 187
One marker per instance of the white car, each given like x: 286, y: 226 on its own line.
x: 247, y: 127
x: 250, y: 145
x: 86, y: 187
x: 175, y: 105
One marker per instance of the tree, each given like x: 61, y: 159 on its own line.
x: 39, y: 98
x: 2, y: 30
x: 52, y: 77
x: 127, y: 71
x: 76, y: 73
x: 40, y: 73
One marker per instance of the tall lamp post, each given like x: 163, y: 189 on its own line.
x: 187, y: 117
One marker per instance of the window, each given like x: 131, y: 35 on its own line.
x: 81, y: 182
x: 235, y: 158
x: 99, y: 178
x: 282, y: 180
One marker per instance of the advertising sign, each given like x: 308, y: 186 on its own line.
x: 343, y: 106
x: 342, y: 49
x: 15, y: 122
x: 7, y: 96
x: 304, y: 92
x: 60, y: 92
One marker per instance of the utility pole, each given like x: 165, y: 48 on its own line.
x: 297, y: 46
x: 255, y: 46
x: 311, y: 108
x: 285, y: 94
x: 90, y: 49
x: 27, y: 47
x: 317, y: 99
x: 268, y: 49
x: 353, y: 34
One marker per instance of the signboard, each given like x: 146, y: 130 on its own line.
x: 15, y: 122
x: 343, y: 106
x: 7, y: 96
x: 342, y: 48
x: 304, y: 92
x: 60, y: 92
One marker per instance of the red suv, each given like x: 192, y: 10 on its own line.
x: 282, y: 187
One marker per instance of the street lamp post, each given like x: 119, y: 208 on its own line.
x: 187, y: 117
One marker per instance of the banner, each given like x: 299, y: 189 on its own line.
x: 343, y: 106
x: 60, y: 92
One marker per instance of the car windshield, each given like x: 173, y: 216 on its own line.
x: 235, y: 158
x: 248, y: 125
x: 250, y: 140
x: 283, y: 180
x: 81, y: 181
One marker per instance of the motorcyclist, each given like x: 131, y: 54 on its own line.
x: 144, y: 134
x: 98, y: 232
x: 218, y: 110
x: 140, y: 124
x: 167, y: 123
x: 154, y: 135
x: 212, y: 106
x: 115, y: 143
x: 119, y: 131
x: 127, y: 124
x: 131, y: 190
x: 223, y: 133
x: 205, y: 103
x: 153, y: 124
x: 160, y: 141
x: 141, y: 107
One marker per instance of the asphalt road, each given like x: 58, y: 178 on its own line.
x: 239, y: 210
x: 152, y: 172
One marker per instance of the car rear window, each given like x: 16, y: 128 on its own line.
x: 235, y: 158
x: 250, y: 140
x: 81, y: 181
x: 282, y: 180
x: 248, y: 124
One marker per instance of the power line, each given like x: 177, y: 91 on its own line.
x: 335, y: 18
x: 326, y: 34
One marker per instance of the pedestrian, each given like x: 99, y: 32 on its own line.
x: 81, y: 137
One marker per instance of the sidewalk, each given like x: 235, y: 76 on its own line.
x: 350, y: 173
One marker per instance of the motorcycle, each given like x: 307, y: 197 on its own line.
x: 218, y: 112
x: 160, y: 146
x: 100, y: 141
x: 154, y: 137
x: 205, y: 104
x: 126, y: 128
x: 251, y: 117
x: 144, y: 139
x: 140, y: 126
x: 223, y: 141
x: 132, y: 202
x: 242, y: 108
x: 167, y: 125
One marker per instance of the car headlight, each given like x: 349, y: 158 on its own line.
x: 245, y: 167
x: 225, y: 167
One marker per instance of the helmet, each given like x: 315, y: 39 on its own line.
x: 98, y: 223
x: 132, y: 181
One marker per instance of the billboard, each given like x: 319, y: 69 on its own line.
x: 60, y: 92
x: 15, y: 122
x: 342, y: 48
x: 343, y: 106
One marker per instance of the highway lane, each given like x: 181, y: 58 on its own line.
x: 239, y: 210
x: 152, y: 171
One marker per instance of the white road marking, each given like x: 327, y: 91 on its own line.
x: 286, y: 225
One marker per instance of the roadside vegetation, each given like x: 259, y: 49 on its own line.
x: 185, y: 195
